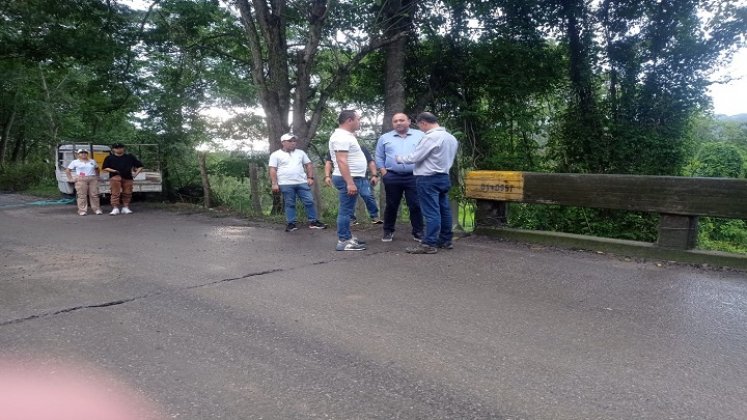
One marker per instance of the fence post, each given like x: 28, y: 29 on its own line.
x: 256, y: 203
x: 491, y: 213
x: 677, y: 231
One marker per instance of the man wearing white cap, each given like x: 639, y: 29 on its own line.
x: 85, y: 173
x: 292, y: 174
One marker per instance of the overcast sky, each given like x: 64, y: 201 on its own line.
x: 731, y: 98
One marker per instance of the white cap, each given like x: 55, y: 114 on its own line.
x: 287, y: 136
x: 82, y: 151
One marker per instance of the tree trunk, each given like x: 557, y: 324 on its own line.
x: 254, y: 189
x: 201, y: 157
x: 399, y: 13
x: 5, y: 135
x: 53, y: 126
x: 15, y: 154
x: 271, y: 65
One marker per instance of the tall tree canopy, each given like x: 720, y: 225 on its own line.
x: 581, y: 86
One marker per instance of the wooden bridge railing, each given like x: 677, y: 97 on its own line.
x: 678, y: 200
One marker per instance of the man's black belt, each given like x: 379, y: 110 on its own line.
x: 399, y: 173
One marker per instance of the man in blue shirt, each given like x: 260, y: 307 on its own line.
x: 398, y: 178
x: 433, y: 158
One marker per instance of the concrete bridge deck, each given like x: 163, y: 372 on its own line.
x: 208, y: 318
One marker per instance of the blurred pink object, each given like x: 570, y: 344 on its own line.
x: 50, y: 390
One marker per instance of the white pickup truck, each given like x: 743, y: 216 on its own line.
x: 148, y: 180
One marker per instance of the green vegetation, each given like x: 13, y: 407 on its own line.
x: 26, y: 177
x: 524, y: 86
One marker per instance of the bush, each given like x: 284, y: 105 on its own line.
x: 728, y: 235
x: 617, y: 224
x: 23, y: 176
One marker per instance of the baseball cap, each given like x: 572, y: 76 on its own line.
x: 117, y: 146
x: 82, y: 151
x: 287, y: 136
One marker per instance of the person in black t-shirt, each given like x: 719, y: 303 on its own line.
x: 123, y: 168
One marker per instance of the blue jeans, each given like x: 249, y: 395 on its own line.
x: 347, y: 205
x: 369, y: 200
x: 433, y: 193
x: 303, y: 191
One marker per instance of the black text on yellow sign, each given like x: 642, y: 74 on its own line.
x: 495, y: 185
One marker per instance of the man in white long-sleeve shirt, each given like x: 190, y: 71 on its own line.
x: 433, y: 158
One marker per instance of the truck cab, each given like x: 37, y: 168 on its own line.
x: 148, y: 180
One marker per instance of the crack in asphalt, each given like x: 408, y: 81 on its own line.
x: 132, y: 299
x: 149, y: 295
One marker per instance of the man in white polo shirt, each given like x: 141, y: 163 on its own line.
x: 292, y: 174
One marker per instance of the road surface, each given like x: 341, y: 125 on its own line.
x: 220, y: 318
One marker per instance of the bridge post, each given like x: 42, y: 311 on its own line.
x: 491, y: 213
x: 677, y: 231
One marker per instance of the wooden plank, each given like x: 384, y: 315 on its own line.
x: 678, y: 232
x: 718, y: 197
x: 495, y: 185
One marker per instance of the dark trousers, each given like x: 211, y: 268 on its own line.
x: 394, y: 186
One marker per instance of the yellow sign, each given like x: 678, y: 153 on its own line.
x: 495, y: 185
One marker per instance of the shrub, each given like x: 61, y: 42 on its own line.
x: 22, y: 176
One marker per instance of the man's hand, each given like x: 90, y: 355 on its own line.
x: 328, y: 180
x: 310, y: 181
x: 374, y: 180
x: 275, y: 188
x: 352, y: 189
x: 382, y: 171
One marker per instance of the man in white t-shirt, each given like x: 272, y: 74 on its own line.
x: 292, y: 174
x: 348, y: 176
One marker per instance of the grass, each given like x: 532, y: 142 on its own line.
x: 44, y: 189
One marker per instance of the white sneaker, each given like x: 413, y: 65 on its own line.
x: 81, y: 213
x: 99, y: 212
x: 349, y: 245
x: 115, y: 211
x: 126, y: 210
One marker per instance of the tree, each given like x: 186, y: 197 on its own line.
x: 64, y: 73
x: 285, y: 41
x: 194, y: 61
x: 719, y: 160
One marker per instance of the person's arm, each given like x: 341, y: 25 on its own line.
x: 422, y: 150
x: 107, y: 168
x: 342, y: 164
x: 374, y: 174
x: 328, y: 172
x: 274, y: 179
x: 137, y: 165
x: 69, y: 173
x: 310, y: 173
x: 380, y: 156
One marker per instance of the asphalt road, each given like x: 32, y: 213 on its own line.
x: 219, y: 318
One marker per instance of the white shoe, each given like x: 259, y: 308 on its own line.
x: 81, y: 213
x: 115, y: 211
x: 126, y: 210
x: 99, y: 212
